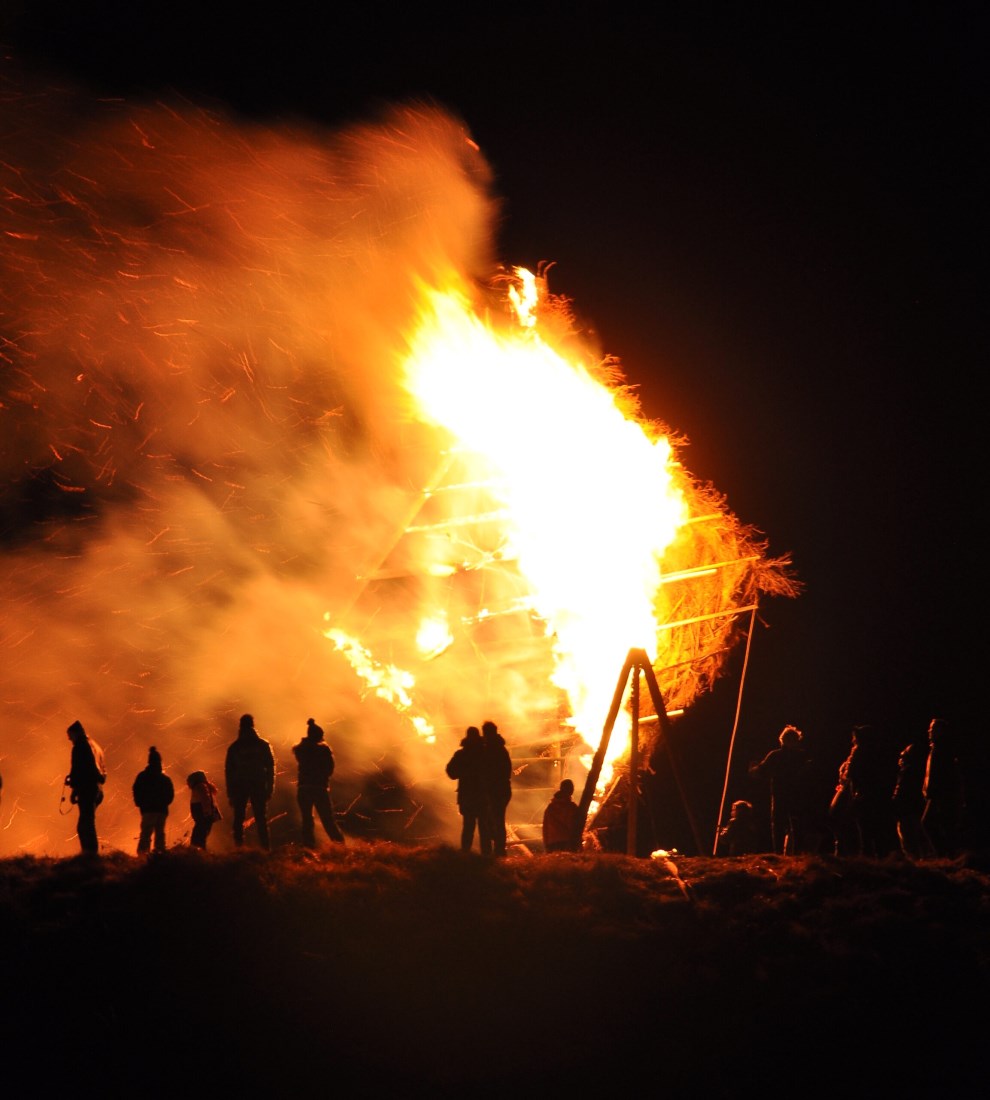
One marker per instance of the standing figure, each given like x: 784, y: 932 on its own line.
x: 203, y: 806
x: 869, y: 780
x: 562, y: 821
x: 787, y: 769
x: 87, y: 774
x: 153, y: 794
x: 908, y: 800
x: 944, y: 792
x: 249, y: 773
x: 498, y: 784
x: 315, y: 759
x: 738, y: 836
x: 467, y: 766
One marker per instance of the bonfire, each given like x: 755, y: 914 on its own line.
x: 281, y: 435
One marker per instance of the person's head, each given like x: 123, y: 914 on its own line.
x: 472, y: 736
x: 489, y: 729
x: 790, y: 737
x: 937, y: 729
x: 195, y: 778
x: 246, y: 724
x: 313, y: 731
x: 862, y: 736
x: 154, y: 759
x: 567, y: 788
x: 741, y: 808
x: 76, y: 731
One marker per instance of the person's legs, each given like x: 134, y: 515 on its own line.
x: 304, y: 796
x: 201, y: 828
x: 144, y: 836
x: 469, y: 821
x: 159, y: 832
x: 86, y: 826
x: 498, y: 830
x: 324, y: 807
x: 260, y: 808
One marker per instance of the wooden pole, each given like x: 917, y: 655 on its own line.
x: 631, y: 805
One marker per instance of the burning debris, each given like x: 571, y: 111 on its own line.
x: 280, y: 434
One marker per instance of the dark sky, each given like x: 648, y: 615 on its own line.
x: 769, y: 213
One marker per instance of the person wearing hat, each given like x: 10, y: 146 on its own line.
x: 86, y: 777
x: 153, y: 794
x: 315, y: 760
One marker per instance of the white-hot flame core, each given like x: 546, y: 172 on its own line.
x: 589, y: 499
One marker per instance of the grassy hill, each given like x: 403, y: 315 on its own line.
x: 407, y: 971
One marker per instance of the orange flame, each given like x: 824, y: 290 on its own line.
x: 569, y: 472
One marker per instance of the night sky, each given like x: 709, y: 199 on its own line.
x: 768, y: 213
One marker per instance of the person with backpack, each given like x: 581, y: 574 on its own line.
x: 153, y: 793
x: 249, y: 772
x: 87, y: 774
x: 203, y: 806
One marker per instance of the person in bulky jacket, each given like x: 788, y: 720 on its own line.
x: 87, y: 774
x: 249, y: 774
x: 562, y: 821
x: 498, y: 783
x: 467, y: 766
x: 153, y: 794
x: 315, y: 759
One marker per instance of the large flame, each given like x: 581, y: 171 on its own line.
x: 569, y: 472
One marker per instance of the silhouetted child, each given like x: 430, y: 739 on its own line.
x: 562, y: 821
x: 203, y: 806
x: 738, y: 837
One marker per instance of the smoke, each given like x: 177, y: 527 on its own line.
x: 205, y: 444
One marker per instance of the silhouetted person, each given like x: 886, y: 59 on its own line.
x: 869, y: 783
x: 787, y: 770
x: 249, y: 773
x: 908, y: 800
x: 87, y: 774
x: 944, y: 792
x: 562, y: 821
x: 498, y: 784
x: 153, y: 794
x: 467, y: 766
x: 203, y: 806
x: 315, y: 759
x: 738, y: 837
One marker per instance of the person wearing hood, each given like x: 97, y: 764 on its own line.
x: 87, y: 774
x: 467, y: 766
x: 153, y: 794
x: 249, y: 773
x: 498, y: 784
x: 202, y: 806
x: 315, y: 759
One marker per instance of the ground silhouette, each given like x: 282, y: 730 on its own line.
x: 427, y: 971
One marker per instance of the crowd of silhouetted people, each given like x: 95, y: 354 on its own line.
x: 909, y: 802
x: 249, y: 778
